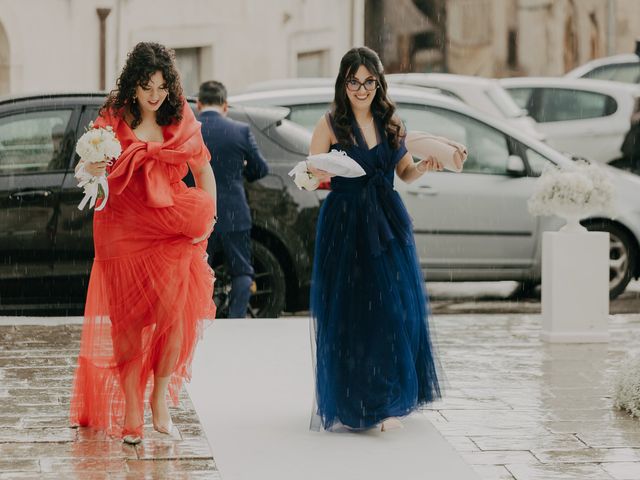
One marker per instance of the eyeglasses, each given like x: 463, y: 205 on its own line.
x: 370, y: 84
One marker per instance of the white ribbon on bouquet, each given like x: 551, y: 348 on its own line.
x: 91, y: 185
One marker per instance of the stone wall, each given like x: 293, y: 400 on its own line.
x: 551, y: 36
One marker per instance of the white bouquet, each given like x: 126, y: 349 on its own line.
x: 578, y: 191
x: 335, y: 162
x: 96, y: 145
x: 303, y: 178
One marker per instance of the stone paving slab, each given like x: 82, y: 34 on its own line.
x: 623, y: 470
x: 519, y: 409
x: 590, y: 471
x: 36, y: 371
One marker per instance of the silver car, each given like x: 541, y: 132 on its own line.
x: 588, y: 118
x: 617, y: 68
x: 475, y: 225
x: 483, y: 94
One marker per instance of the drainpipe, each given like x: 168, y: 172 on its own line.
x: 117, y: 56
x: 611, y: 27
x: 103, y: 13
x: 444, y: 36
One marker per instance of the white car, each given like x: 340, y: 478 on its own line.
x: 475, y: 225
x: 306, y: 104
x: 587, y: 118
x: 484, y: 94
x: 617, y: 68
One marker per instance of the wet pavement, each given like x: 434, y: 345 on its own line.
x: 514, y: 407
x: 520, y: 409
x: 506, y: 297
x: 36, y: 371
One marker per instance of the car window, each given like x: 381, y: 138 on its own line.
x: 604, y: 72
x: 35, y: 141
x: 503, y: 102
x: 562, y: 104
x: 488, y: 148
x: 537, y: 162
x: 628, y: 73
x: 89, y: 114
x: 307, y: 115
x: 521, y: 96
x: 621, y: 72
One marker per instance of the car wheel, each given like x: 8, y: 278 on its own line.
x: 622, y: 257
x: 268, y: 290
x: 269, y: 294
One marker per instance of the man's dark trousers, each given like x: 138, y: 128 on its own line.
x: 235, y: 157
x: 235, y: 247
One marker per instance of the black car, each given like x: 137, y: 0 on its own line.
x: 46, y: 242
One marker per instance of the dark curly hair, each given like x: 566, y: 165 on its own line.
x: 382, y: 108
x: 143, y: 61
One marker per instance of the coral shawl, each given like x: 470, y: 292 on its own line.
x: 150, y: 287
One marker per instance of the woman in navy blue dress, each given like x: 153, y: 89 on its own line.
x: 374, y: 358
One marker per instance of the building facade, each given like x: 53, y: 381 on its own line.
x: 62, y: 45
x: 555, y: 36
x: 497, y: 38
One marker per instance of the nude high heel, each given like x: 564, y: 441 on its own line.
x: 391, y: 423
x: 166, y: 429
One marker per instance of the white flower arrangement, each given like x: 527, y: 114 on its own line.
x: 626, y: 390
x: 577, y: 191
x: 96, y: 145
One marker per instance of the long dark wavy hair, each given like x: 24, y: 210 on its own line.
x: 382, y: 107
x: 143, y: 61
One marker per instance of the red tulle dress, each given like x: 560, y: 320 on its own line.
x: 151, y: 289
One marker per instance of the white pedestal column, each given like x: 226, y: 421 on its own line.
x: 575, y: 287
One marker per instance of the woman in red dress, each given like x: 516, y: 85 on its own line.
x: 150, y: 286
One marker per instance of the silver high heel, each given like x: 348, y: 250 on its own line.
x: 132, y: 439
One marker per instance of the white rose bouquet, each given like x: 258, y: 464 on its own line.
x: 577, y: 191
x: 96, y: 145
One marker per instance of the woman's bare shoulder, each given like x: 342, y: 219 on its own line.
x: 323, y: 136
x: 325, y: 129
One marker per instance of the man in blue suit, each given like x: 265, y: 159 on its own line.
x: 234, y: 156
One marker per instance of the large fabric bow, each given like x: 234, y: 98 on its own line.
x: 183, y: 142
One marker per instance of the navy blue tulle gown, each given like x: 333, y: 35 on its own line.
x: 373, y: 355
